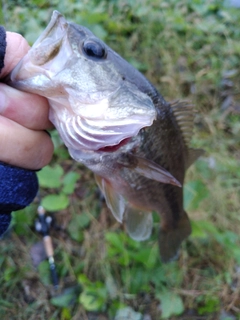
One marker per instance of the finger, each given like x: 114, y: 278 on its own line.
x: 27, y: 148
x: 27, y: 109
x: 16, y: 48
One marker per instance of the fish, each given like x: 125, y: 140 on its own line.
x: 115, y: 122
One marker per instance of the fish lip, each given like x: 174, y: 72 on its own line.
x: 56, y: 29
x: 56, y: 19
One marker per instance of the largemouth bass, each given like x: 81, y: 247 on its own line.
x: 113, y: 120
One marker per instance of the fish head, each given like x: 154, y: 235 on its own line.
x: 95, y: 96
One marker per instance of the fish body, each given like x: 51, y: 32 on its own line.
x: 114, y: 121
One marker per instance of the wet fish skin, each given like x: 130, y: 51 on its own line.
x: 113, y: 120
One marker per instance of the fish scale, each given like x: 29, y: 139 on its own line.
x: 114, y: 121
x: 153, y: 148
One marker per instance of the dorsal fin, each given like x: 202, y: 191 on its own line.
x: 184, y: 114
x: 193, y: 155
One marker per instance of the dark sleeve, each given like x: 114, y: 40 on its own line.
x: 2, y: 46
x: 18, y: 187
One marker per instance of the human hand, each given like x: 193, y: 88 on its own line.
x: 23, y: 117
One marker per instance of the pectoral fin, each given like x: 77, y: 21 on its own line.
x: 170, y: 239
x: 114, y: 200
x: 147, y: 168
x: 138, y: 224
x: 154, y: 171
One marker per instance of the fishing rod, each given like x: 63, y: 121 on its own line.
x: 42, y: 225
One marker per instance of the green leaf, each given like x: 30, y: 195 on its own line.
x: 89, y: 301
x: 23, y: 219
x: 236, y: 253
x: 62, y: 301
x: 148, y: 257
x: 55, y: 202
x: 115, y: 240
x: 94, y: 296
x: 137, y: 279
x: 66, y: 314
x: 194, y: 193
x: 125, y: 258
x: 69, y: 182
x: 10, y: 273
x: 78, y: 222
x: 198, y: 231
x: 50, y: 177
x: 171, y: 304
x: 158, y: 276
x: 119, y: 248
x: 211, y: 304
x: 44, y: 272
x: 68, y: 297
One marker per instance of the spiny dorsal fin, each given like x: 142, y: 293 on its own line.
x: 184, y: 113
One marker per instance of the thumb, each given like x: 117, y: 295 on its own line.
x: 17, y: 47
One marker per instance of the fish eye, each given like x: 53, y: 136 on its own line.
x: 94, y: 49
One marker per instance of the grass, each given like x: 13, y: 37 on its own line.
x: 189, y: 50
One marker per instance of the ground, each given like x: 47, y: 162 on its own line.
x: 189, y: 50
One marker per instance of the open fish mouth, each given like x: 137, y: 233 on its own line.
x: 84, y: 135
x: 31, y: 68
x: 115, y: 147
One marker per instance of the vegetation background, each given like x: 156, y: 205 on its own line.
x: 189, y: 49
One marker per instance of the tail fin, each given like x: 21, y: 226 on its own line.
x: 171, y: 239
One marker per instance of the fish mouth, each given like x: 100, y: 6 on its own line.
x: 115, y: 147
x: 37, y: 67
x: 57, y: 21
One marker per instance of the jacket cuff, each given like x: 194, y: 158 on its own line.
x: 18, y: 188
x: 5, y: 219
x: 3, y: 45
